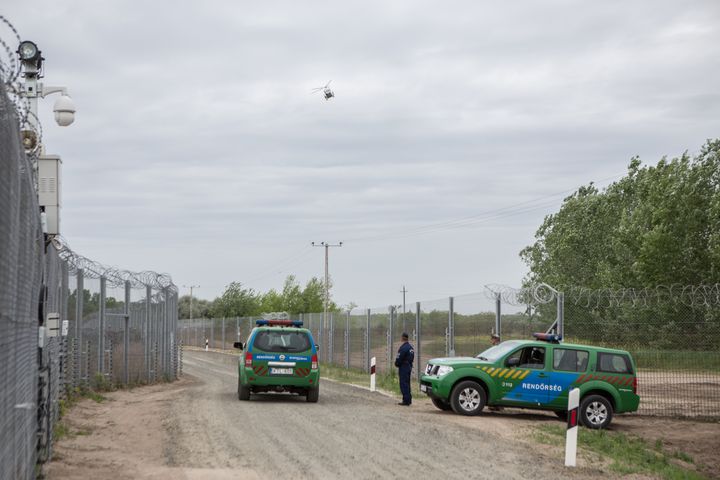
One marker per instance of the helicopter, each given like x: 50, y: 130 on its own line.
x: 325, y: 90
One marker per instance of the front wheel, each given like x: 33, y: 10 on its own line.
x: 313, y: 394
x: 441, y: 404
x: 596, y: 412
x: 468, y: 398
x: 243, y: 391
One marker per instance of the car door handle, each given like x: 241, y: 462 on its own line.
x: 542, y: 375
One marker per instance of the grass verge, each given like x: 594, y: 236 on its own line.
x: 625, y: 454
x: 386, y: 381
x: 61, y: 429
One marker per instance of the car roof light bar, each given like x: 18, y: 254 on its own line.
x: 279, y: 323
x: 548, y: 337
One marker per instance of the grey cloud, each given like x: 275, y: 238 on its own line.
x: 199, y: 150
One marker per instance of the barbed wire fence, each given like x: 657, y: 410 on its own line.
x: 673, y: 332
x: 114, y: 327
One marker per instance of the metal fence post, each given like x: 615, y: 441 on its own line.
x: 166, y: 333
x: 101, y: 327
x: 212, y: 333
x: 451, y: 327
x: 321, y: 353
x: 367, y: 342
x: 561, y: 314
x: 148, y: 295
x: 79, y: 301
x: 63, y: 354
x: 418, y: 340
x: 347, y: 340
x: 331, y: 337
x: 391, y: 325
x: 126, y: 346
x: 498, y: 318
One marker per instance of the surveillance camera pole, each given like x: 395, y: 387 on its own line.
x: 327, y: 279
x: 31, y: 61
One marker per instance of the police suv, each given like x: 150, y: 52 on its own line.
x: 536, y: 374
x: 279, y: 356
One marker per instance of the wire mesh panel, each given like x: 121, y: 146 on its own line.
x: 21, y: 260
x: 434, y: 316
x: 379, y: 338
x: 337, y: 335
x: 474, y: 317
x: 674, y: 339
x: 358, y: 340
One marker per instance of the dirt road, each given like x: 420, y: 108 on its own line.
x: 349, y: 433
x: 196, y: 428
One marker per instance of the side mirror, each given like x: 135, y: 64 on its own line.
x: 238, y: 345
x: 513, y: 362
x: 317, y: 347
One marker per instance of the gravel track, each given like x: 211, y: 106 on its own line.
x: 349, y: 433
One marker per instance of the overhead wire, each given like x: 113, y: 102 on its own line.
x: 510, y: 210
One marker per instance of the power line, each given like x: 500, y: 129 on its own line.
x: 538, y: 203
x: 280, y: 266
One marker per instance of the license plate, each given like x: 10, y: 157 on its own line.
x: 423, y: 388
x: 281, y: 371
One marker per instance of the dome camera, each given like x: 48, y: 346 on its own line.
x: 64, y: 109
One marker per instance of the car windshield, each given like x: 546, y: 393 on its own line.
x: 494, y: 353
x: 282, y: 341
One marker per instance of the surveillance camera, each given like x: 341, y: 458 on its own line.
x: 64, y: 111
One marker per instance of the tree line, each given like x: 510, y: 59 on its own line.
x: 658, y: 225
x: 238, y: 300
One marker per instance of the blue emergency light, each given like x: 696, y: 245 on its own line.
x: 548, y: 337
x: 279, y: 323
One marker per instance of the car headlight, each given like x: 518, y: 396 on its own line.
x: 444, y: 370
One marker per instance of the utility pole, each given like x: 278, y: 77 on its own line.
x: 327, y: 276
x: 403, y: 310
x: 191, y: 297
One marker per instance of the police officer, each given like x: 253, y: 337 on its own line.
x: 404, y: 363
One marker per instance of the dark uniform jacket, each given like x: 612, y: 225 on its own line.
x: 405, y: 356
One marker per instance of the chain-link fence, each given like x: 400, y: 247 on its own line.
x: 65, y: 321
x: 673, y: 334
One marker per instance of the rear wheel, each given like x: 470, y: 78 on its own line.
x: 441, y: 404
x: 243, y: 391
x: 468, y: 398
x: 313, y: 394
x: 596, y: 411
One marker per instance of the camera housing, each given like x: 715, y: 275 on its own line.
x: 64, y: 109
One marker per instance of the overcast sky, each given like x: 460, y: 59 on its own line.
x: 199, y: 150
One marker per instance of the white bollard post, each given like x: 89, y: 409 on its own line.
x: 572, y: 427
x: 207, y: 344
x: 372, y: 374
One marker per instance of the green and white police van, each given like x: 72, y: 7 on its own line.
x: 536, y: 374
x: 279, y: 356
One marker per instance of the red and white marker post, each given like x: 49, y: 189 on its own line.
x: 572, y: 427
x: 372, y: 374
